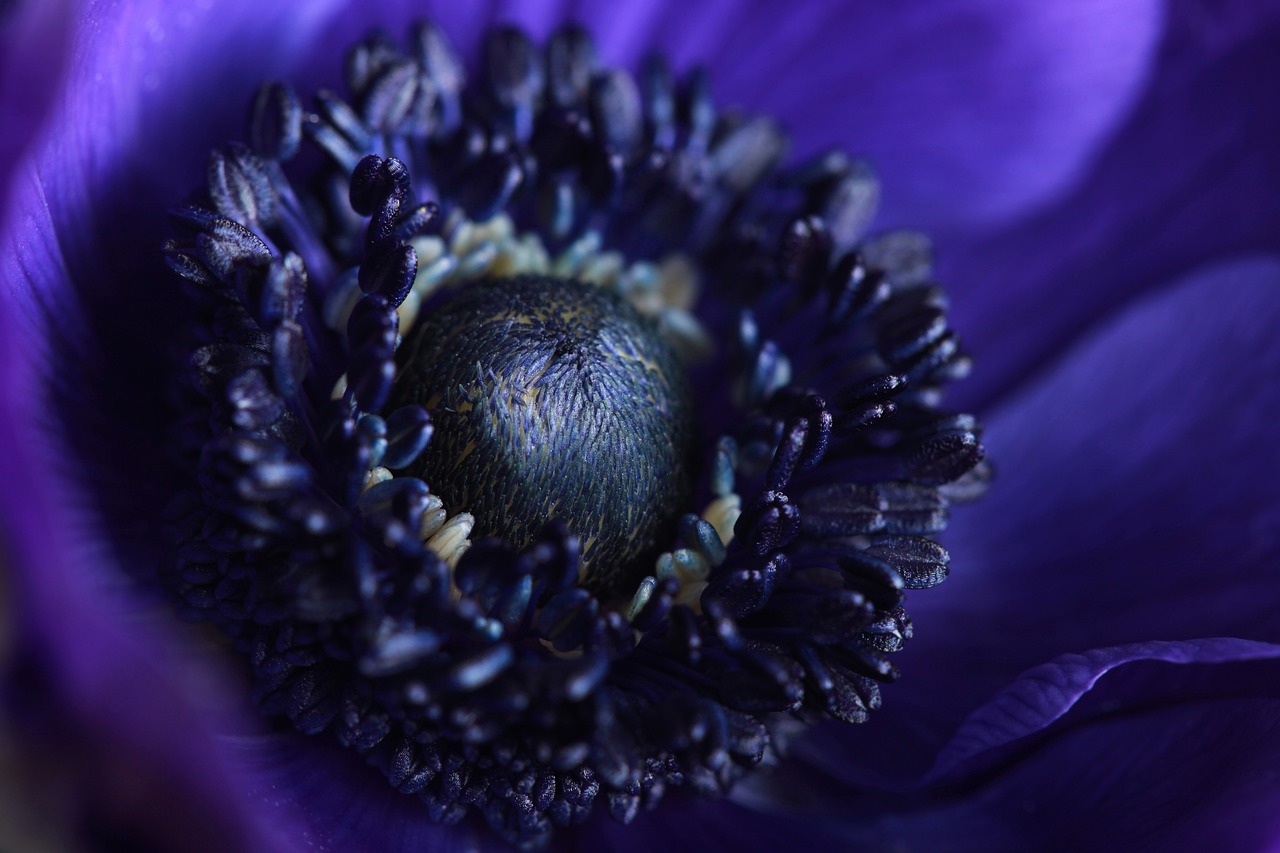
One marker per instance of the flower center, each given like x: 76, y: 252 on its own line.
x: 553, y: 398
x: 469, y: 304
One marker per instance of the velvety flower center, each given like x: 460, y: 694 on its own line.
x: 554, y: 398
x: 450, y: 496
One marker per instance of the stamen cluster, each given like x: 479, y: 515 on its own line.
x: 477, y: 675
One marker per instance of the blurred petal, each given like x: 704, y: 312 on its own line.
x: 80, y: 258
x: 687, y: 823
x: 1043, y: 696
x: 1160, y: 756
x: 346, y: 803
x: 970, y: 111
x: 1153, y: 759
x: 1136, y: 498
x: 142, y: 111
x: 35, y: 39
x: 1190, y: 178
x: 1110, y: 749
x: 101, y: 691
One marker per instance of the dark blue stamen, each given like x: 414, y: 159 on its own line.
x: 760, y: 587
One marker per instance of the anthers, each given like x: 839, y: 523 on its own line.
x: 479, y: 666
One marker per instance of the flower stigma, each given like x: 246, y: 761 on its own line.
x: 554, y: 398
x: 553, y: 441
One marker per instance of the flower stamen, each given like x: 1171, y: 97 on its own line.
x: 464, y: 633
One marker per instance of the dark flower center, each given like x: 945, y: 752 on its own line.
x: 447, y: 305
x: 554, y: 398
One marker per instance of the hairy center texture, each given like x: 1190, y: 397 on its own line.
x: 554, y: 398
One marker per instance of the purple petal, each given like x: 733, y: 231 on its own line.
x: 1043, y: 696
x: 35, y: 38
x: 970, y: 111
x: 139, y: 114
x: 346, y: 803
x: 143, y: 105
x: 100, y: 690
x: 687, y: 823
x: 1135, y: 499
x: 1187, y: 179
x: 1150, y: 754
x: 1111, y: 749
x: 80, y: 261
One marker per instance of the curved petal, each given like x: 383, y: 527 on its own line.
x: 1111, y: 749
x: 1115, y: 748
x: 91, y: 296
x: 971, y: 111
x: 99, y: 690
x: 127, y: 124
x: 82, y: 228
x: 1193, y: 774
x: 1043, y: 696
x: 1135, y: 499
x: 35, y: 39
x: 1187, y: 180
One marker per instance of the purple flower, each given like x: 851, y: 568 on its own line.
x: 1100, y: 181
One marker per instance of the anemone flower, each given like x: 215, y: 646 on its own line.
x: 1099, y: 669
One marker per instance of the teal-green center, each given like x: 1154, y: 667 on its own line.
x: 554, y: 398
